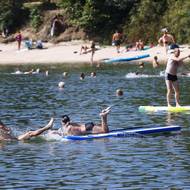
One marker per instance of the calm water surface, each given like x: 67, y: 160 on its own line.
x: 151, y: 162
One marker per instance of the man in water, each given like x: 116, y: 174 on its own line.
x: 6, y: 133
x: 173, y: 63
x: 71, y: 128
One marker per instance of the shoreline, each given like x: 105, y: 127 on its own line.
x: 69, y: 53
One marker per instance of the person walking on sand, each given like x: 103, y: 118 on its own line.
x: 93, y: 49
x: 166, y: 39
x: 116, y: 40
x: 171, y: 80
x: 6, y: 133
x: 19, y: 39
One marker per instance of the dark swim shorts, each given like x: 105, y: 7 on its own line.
x: 173, y: 78
x: 89, y: 126
x: 117, y: 42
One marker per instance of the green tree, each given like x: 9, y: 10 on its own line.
x: 11, y: 13
x: 145, y: 21
x: 177, y: 19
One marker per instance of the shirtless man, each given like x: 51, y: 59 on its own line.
x: 173, y: 63
x: 6, y: 133
x: 71, y: 128
x: 116, y: 40
x: 166, y: 39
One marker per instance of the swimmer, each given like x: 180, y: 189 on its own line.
x: 93, y: 74
x: 155, y: 62
x: 141, y: 65
x: 71, y: 128
x: 6, y: 133
x: 119, y: 92
x: 29, y: 72
x: 65, y: 74
x: 61, y: 84
x: 171, y: 80
x: 82, y: 76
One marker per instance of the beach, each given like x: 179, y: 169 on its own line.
x: 69, y: 53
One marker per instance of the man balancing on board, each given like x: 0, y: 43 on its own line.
x: 71, y: 128
x: 173, y: 63
x: 6, y: 133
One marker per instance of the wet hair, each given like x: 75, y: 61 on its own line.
x: 65, y: 119
x: 119, y: 92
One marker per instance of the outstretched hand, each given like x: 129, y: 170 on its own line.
x: 105, y: 111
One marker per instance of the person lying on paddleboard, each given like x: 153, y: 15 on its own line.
x: 173, y: 63
x: 71, y: 128
x: 6, y: 133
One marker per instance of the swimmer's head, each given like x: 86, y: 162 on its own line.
x: 119, y: 92
x: 65, y: 119
x: 61, y: 84
x: 93, y: 74
x: 65, y: 74
x: 82, y: 76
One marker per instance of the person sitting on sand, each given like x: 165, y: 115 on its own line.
x: 140, y: 45
x: 71, y: 128
x: 83, y: 49
x: 6, y: 133
x: 39, y: 44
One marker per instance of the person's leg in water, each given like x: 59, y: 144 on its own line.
x: 30, y: 134
x: 169, y: 92
x: 176, y: 90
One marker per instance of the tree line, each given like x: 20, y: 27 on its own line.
x: 136, y: 19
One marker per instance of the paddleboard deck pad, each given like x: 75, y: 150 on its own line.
x: 126, y: 59
x: 126, y: 132
x: 163, y: 109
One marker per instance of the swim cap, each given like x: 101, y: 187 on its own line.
x: 65, y: 119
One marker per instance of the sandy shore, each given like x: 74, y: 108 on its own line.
x: 70, y: 53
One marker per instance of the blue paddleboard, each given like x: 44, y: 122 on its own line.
x: 125, y: 59
x: 126, y: 132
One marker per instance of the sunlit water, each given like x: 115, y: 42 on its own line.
x: 151, y: 162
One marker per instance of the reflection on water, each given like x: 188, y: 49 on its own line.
x: 153, y: 162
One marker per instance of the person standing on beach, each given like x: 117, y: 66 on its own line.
x: 19, y: 39
x: 93, y: 48
x: 171, y: 80
x: 116, y: 40
x: 166, y: 39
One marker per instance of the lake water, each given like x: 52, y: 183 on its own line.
x: 150, y: 162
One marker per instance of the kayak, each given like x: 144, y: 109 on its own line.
x: 163, y: 109
x: 125, y: 132
x: 125, y: 59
